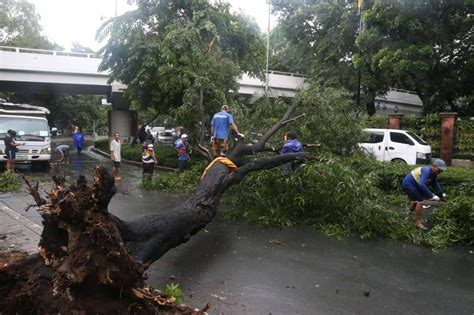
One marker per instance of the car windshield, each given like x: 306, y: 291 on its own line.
x: 156, y: 129
x: 166, y: 134
x: 27, y: 129
x: 417, y: 138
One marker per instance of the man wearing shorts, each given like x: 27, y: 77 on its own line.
x: 415, y: 186
x: 63, y: 150
x: 115, y: 147
x: 220, y: 124
x: 10, y: 150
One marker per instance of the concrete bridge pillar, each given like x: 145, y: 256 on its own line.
x: 121, y: 118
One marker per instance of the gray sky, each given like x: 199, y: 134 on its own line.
x: 66, y: 21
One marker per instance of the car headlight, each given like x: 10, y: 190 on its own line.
x: 45, y: 151
x: 420, y: 155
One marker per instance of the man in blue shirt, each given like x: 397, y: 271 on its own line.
x: 220, y: 124
x: 415, y: 186
x: 181, y: 146
x: 291, y: 145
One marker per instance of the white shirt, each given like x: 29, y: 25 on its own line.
x: 115, y: 148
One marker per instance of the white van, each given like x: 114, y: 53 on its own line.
x: 31, y: 128
x: 397, y: 146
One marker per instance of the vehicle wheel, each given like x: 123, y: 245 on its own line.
x: 3, y: 166
x: 402, y: 161
x: 40, y: 166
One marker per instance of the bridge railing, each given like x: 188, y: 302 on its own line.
x: 49, y: 52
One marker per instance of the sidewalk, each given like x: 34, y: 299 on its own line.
x: 17, y: 232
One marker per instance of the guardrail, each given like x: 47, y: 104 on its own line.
x: 48, y: 52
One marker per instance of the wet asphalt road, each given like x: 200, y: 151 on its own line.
x: 239, y: 270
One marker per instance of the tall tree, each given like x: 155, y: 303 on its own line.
x: 20, y: 26
x: 425, y: 46
x: 181, y: 55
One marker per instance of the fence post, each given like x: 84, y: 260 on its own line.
x: 394, y: 121
x: 446, y: 146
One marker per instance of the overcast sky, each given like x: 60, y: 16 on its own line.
x: 66, y: 21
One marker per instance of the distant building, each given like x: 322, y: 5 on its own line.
x: 398, y: 101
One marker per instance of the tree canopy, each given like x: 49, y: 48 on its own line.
x: 20, y: 26
x: 425, y: 46
x: 169, y: 53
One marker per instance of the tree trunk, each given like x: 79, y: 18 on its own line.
x: 92, y: 261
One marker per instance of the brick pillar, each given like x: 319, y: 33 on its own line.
x: 394, y: 121
x: 446, y: 146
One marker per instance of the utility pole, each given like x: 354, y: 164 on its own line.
x: 360, y: 7
x: 268, y: 44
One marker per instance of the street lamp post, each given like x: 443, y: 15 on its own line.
x: 268, y: 44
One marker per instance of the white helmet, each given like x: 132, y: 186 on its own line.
x: 184, y: 136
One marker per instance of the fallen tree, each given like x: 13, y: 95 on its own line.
x: 90, y: 260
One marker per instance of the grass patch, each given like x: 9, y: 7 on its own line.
x: 9, y: 182
x: 165, y: 154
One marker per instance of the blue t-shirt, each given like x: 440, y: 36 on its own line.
x: 221, y: 122
x: 419, y: 178
x: 181, y: 147
x: 292, y: 146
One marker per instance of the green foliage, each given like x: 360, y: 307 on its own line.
x: 165, y: 154
x: 330, y: 119
x: 20, y: 26
x: 168, y: 51
x: 464, y: 141
x: 355, y: 195
x: 9, y: 182
x: 422, y: 46
x: 178, y: 182
x: 175, y: 291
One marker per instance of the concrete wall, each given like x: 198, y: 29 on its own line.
x: 121, y: 121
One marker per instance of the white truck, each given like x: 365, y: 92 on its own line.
x: 32, y: 131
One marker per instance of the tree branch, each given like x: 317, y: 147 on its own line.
x: 243, y: 149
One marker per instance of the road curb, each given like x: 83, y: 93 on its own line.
x: 128, y: 162
x: 5, y: 210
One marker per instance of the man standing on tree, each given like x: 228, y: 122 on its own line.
x: 115, y: 156
x: 181, y: 146
x: 415, y: 186
x: 220, y: 124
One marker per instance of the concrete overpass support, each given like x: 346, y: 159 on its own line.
x: 121, y: 118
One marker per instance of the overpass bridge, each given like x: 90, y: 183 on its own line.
x: 59, y: 72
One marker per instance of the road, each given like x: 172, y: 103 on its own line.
x: 238, y: 268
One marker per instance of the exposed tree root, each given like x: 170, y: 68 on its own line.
x: 82, y: 263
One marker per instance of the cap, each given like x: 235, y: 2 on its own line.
x: 225, y: 107
x: 440, y: 164
x: 184, y: 136
x: 150, y: 146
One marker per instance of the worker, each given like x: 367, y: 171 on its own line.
x: 415, y: 186
x: 220, y: 124
x: 291, y: 145
x: 181, y: 145
x: 148, y: 162
x: 63, y: 151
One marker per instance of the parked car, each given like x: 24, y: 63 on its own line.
x: 165, y: 137
x: 396, y: 146
x: 154, y: 131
